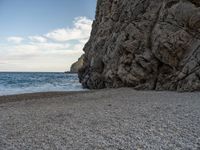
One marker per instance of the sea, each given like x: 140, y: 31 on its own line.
x: 30, y: 82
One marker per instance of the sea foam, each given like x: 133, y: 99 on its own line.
x: 18, y: 83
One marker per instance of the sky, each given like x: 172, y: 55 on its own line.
x: 43, y: 35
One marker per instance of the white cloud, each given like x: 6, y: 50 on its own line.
x: 3, y: 62
x: 39, y: 56
x: 50, y: 52
x: 35, y: 49
x: 40, y: 39
x: 15, y: 39
x: 81, y: 30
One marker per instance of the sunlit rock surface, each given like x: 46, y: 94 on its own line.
x: 77, y: 65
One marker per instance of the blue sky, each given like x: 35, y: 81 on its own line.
x: 33, y: 29
x: 25, y: 17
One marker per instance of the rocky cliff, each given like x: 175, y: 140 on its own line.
x: 77, y: 65
x: 145, y: 44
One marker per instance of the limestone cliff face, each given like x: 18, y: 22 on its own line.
x: 145, y: 44
x: 77, y: 65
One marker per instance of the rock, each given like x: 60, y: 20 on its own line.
x: 77, y: 65
x: 145, y: 44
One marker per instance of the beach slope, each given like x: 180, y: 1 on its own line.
x: 104, y: 119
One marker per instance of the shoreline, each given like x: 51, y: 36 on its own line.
x: 38, y: 95
x: 54, y: 94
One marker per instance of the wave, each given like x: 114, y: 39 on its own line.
x: 18, y: 83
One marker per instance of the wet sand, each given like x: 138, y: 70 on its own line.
x: 103, y: 119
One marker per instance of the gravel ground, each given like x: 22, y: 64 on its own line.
x: 115, y: 119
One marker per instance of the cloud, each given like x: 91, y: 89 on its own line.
x: 34, y: 49
x: 53, y: 51
x: 39, y: 56
x: 80, y: 30
x: 15, y: 39
x: 40, y: 39
x: 3, y: 62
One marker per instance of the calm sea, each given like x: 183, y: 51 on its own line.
x: 20, y: 82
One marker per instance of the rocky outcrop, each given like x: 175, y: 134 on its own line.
x: 77, y: 65
x: 145, y: 44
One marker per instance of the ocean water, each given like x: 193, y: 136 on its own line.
x: 20, y: 82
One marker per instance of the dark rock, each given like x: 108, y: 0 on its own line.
x: 145, y: 44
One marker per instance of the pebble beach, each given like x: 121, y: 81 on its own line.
x: 107, y: 119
